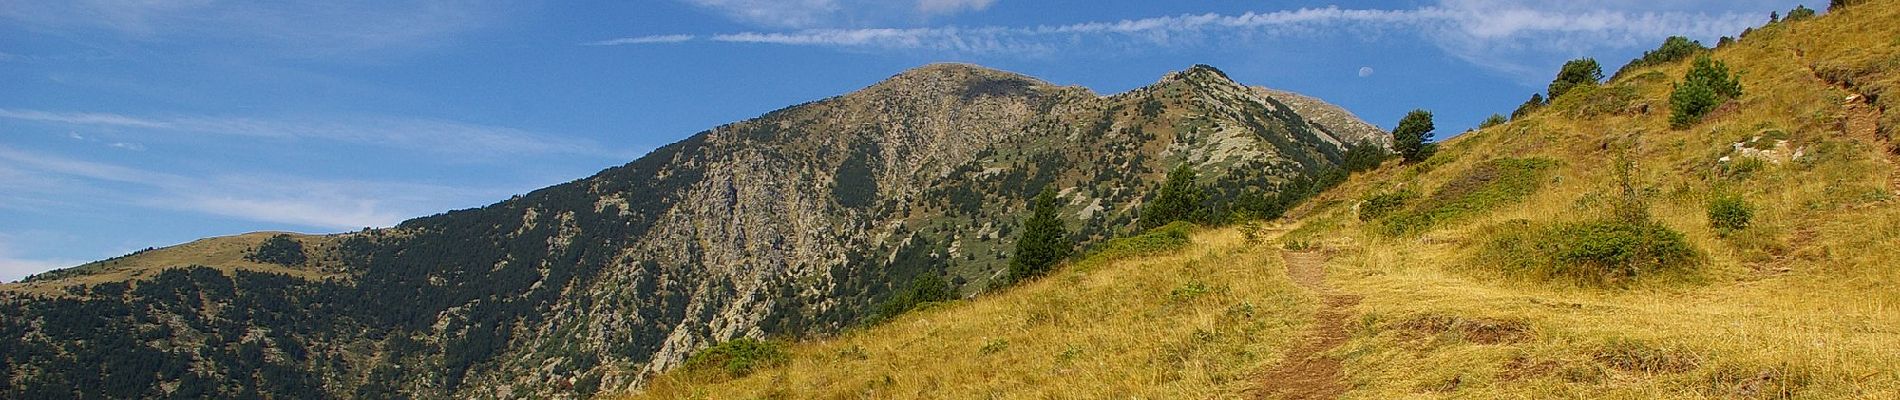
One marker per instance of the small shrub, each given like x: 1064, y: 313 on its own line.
x: 1487, y: 185
x: 1598, y: 252
x: 1800, y: 12
x: 1591, y: 101
x: 1729, y: 214
x: 1168, y: 238
x: 1536, y: 102
x: 925, y: 289
x: 1188, y: 291
x: 994, y: 346
x: 1742, y: 168
x: 1364, y: 157
x: 737, y: 358
x: 1673, y: 49
x: 1296, y: 245
x: 1251, y: 231
x: 1493, y: 120
x: 1638, y: 356
x: 1380, y: 204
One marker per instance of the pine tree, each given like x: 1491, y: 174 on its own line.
x: 1582, y: 71
x: 1411, y: 134
x: 1180, y: 199
x: 1045, y: 239
x: 1706, y: 85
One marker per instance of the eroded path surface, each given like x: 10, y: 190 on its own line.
x: 1308, y: 372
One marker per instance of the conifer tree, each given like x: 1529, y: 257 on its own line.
x: 1536, y: 101
x: 1045, y: 239
x: 1180, y: 199
x: 1578, y: 72
x: 1707, y: 84
x: 1411, y: 134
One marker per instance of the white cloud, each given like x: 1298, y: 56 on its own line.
x: 952, y: 6
x: 1365, y: 72
x: 406, y: 133
x: 1512, y: 36
x: 774, y: 13
x: 301, y: 28
x: 80, y: 118
x: 335, y: 204
x: 835, y: 13
x: 642, y: 40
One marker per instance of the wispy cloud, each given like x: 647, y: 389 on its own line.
x: 300, y: 28
x: 774, y: 13
x: 406, y: 133
x: 952, y: 6
x: 1489, y: 33
x: 81, y: 118
x: 334, y: 204
x: 642, y: 40
x: 835, y: 13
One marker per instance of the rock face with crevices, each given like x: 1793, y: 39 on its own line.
x: 798, y: 222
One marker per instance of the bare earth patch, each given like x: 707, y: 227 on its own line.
x: 1307, y: 372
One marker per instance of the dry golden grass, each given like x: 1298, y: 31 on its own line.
x: 1805, y: 303
x: 224, y: 253
x: 1197, y: 324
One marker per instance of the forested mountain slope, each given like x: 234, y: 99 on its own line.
x: 799, y: 222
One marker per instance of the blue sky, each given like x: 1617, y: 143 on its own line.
x: 128, y: 124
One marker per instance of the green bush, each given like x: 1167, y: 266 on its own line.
x: 1363, y: 157
x: 1673, y: 49
x: 1600, y: 252
x: 1578, y: 72
x: 1800, y: 12
x: 737, y: 358
x: 1536, y: 102
x: 1493, y: 120
x: 1591, y: 101
x: 1380, y: 204
x: 1166, y: 238
x: 924, y: 289
x: 1729, y: 214
x: 1483, y: 187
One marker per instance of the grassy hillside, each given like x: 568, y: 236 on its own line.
x: 1482, y: 274
x: 227, y: 253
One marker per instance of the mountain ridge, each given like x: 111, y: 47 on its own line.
x: 798, y: 222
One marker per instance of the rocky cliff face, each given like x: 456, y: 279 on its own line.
x: 798, y: 222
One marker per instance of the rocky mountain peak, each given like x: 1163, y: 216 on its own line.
x: 964, y: 81
x: 1201, y: 74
